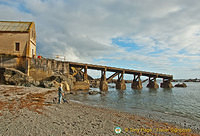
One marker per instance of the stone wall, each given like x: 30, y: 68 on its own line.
x: 12, y: 61
x: 44, y: 69
x: 49, y: 65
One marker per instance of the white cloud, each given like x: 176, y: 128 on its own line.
x: 83, y: 30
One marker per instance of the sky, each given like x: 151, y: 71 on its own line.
x: 151, y: 35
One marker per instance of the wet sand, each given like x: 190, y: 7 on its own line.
x: 31, y: 111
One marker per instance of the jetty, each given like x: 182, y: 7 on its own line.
x: 120, y: 72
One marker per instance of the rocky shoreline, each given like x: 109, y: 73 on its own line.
x: 186, y: 80
x: 31, y: 111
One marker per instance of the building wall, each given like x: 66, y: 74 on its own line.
x: 32, y: 41
x: 32, y: 50
x: 8, y: 40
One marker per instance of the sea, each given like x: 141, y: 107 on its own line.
x: 180, y: 106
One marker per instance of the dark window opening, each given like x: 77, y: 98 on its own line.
x: 17, y: 46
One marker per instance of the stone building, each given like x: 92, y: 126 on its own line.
x: 18, y: 38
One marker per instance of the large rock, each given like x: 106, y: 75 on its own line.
x: 181, y: 85
x: 47, y: 84
x: 53, y: 81
x: 15, y: 77
x: 66, y: 86
x: 81, y: 85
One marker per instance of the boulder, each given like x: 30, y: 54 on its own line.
x: 57, y: 78
x: 81, y: 85
x: 181, y: 85
x: 46, y: 84
x: 66, y: 86
x: 54, y: 80
x: 15, y: 77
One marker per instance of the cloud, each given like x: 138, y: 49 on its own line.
x: 165, y: 32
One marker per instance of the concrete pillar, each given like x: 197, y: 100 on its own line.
x: 152, y: 83
x: 121, y: 85
x: 166, y: 83
x: 103, y: 83
x: 85, y: 75
x: 137, y: 83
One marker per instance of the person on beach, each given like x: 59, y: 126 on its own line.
x: 60, y: 94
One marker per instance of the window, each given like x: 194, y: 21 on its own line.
x: 17, y: 46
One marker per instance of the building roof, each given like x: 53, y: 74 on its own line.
x: 14, y: 26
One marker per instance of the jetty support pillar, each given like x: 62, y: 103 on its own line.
x: 152, y: 83
x: 85, y: 75
x: 103, y: 83
x: 166, y: 83
x: 121, y: 85
x: 137, y: 83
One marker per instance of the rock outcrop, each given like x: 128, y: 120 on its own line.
x: 55, y: 80
x: 181, y: 85
x: 81, y: 85
x: 15, y: 77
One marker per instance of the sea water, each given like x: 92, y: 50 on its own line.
x: 170, y: 103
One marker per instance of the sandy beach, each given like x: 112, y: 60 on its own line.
x: 31, y: 111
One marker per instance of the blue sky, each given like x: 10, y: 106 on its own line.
x: 157, y: 36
